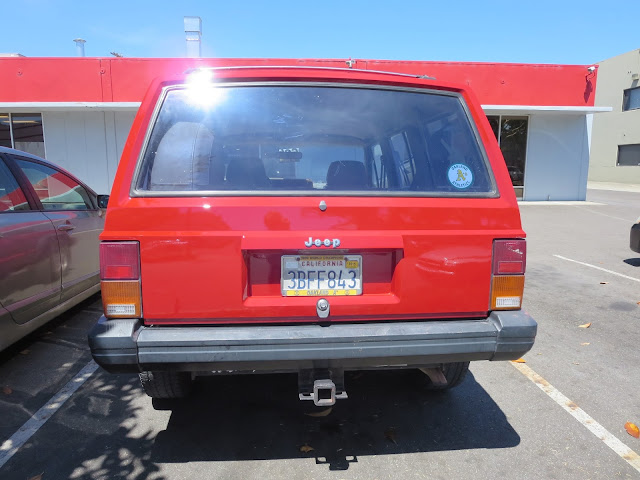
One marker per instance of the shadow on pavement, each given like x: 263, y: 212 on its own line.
x: 259, y: 417
x: 634, y: 262
x: 92, y: 437
x: 35, y: 368
x: 108, y: 430
x: 86, y: 313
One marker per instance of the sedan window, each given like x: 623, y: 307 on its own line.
x: 55, y: 190
x: 11, y: 196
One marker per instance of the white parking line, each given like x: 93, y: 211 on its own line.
x: 31, y: 426
x: 598, y: 268
x: 607, y: 215
x: 631, y: 457
x: 566, y: 203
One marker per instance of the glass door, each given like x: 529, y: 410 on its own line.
x: 511, y: 133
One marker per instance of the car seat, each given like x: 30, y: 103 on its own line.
x: 182, y: 160
x: 247, y: 173
x: 347, y: 175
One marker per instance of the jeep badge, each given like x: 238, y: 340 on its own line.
x: 335, y: 243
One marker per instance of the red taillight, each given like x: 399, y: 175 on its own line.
x: 507, y: 279
x: 120, y: 279
x: 119, y: 261
x: 509, y: 257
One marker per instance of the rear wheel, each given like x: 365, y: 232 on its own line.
x: 453, y: 372
x: 166, y: 384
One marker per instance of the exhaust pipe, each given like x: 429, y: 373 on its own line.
x: 436, y: 375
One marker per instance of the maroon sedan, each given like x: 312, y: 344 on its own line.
x: 49, y: 228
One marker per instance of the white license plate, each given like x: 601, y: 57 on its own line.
x: 321, y: 275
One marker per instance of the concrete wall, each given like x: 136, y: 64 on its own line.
x: 615, y: 128
x: 88, y: 144
x: 557, y: 157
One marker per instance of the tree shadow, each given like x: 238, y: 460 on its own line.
x: 36, y: 367
x: 106, y: 429
x: 41, y: 333
x: 259, y: 417
x: 100, y: 432
x: 96, y: 435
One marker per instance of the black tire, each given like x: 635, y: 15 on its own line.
x: 453, y: 372
x: 166, y: 384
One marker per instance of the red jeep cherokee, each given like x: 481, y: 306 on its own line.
x: 309, y: 220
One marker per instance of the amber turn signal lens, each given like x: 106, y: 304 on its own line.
x: 121, y: 299
x: 506, y: 292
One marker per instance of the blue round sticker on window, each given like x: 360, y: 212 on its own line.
x: 460, y: 176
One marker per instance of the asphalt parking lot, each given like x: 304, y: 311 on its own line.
x: 499, y: 423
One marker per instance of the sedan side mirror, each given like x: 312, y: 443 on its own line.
x: 103, y: 201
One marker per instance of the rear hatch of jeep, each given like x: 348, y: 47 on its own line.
x: 306, y: 201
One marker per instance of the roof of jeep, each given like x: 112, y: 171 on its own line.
x: 306, y: 67
x: 311, y: 73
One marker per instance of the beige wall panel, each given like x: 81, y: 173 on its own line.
x: 615, y: 128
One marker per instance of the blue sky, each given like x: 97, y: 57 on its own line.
x: 528, y: 31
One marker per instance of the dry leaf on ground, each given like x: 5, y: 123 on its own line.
x: 632, y: 429
x: 520, y: 360
x: 37, y: 477
x: 603, y: 283
x: 322, y: 413
x: 585, y: 325
x: 7, y: 390
x: 26, y: 351
x: 585, y: 344
x: 390, y: 434
x: 306, y: 448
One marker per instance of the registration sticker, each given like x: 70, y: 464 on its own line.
x: 460, y: 176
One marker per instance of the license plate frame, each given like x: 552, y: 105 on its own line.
x: 345, y: 283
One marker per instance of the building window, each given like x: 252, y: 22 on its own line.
x: 629, y: 155
x: 511, y: 133
x: 631, y: 99
x: 22, y: 131
x: 5, y: 130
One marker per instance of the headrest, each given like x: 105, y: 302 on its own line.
x: 182, y: 158
x: 346, y: 175
x: 247, y: 173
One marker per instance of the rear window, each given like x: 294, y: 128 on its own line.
x: 312, y: 140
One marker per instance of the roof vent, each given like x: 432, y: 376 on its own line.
x: 80, y: 46
x: 193, y: 31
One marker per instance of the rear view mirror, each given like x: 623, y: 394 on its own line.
x: 289, y: 155
x: 103, y: 201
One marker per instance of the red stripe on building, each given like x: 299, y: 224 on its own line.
x: 27, y: 79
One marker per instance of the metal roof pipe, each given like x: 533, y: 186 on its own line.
x: 80, y: 47
x: 193, y: 31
